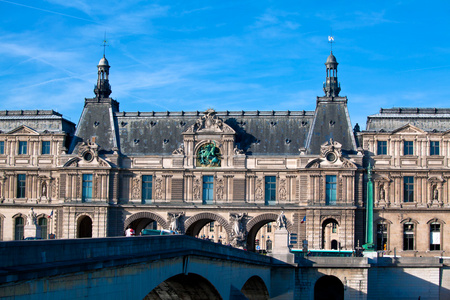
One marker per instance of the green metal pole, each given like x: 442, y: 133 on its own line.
x: 369, y: 211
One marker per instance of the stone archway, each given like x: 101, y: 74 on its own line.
x: 190, y: 286
x: 328, y: 288
x: 194, y: 224
x: 255, y: 288
x: 145, y: 215
x: 259, y: 221
x: 84, y: 227
x: 330, y: 234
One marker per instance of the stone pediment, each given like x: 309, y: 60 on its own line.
x: 209, y: 123
x: 87, y: 156
x: 408, y: 129
x: 381, y: 178
x: 24, y: 130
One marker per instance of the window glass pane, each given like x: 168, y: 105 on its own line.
x: 435, y: 236
x: 408, y: 148
x: 330, y: 196
x: 21, y: 184
x: 87, y: 187
x: 382, y: 148
x: 382, y: 238
x: 18, y: 228
x: 408, y: 189
x: 208, y: 189
x: 43, y: 223
x: 46, y: 147
x: 434, y: 148
x: 408, y: 236
x: 2, y: 147
x: 22, y: 147
x: 270, y: 187
x: 147, y: 185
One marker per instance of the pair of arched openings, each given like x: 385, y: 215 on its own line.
x: 409, y: 229
x: 19, y: 222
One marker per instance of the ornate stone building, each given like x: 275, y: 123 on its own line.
x: 409, y: 149
x: 240, y: 170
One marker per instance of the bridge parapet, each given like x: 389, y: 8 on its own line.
x: 22, y: 260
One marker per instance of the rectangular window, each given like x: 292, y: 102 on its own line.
x: 381, y: 147
x: 147, y: 185
x: 408, y: 236
x: 269, y: 227
x: 435, y: 236
x: 211, y: 226
x: 45, y: 147
x: 22, y: 147
x: 382, y: 237
x: 434, y: 147
x: 408, y: 148
x: 330, y: 197
x: 270, y: 186
x: 21, y: 183
x: 87, y: 188
x: 2, y: 147
x: 408, y: 189
x: 208, y: 189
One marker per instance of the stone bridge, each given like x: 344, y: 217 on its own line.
x: 147, y: 267
x: 183, y: 267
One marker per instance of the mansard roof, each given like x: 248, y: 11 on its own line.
x: 39, y: 120
x: 427, y: 119
x: 257, y: 132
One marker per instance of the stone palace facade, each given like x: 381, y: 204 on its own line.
x: 235, y: 171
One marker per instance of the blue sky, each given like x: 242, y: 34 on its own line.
x: 228, y: 55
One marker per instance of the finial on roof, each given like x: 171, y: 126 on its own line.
x: 104, y: 44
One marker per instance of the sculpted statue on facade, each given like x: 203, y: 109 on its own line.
x: 175, y: 222
x: 238, y: 235
x: 281, y: 221
x: 382, y: 193
x: 32, y: 217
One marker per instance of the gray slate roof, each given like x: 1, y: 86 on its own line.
x: 257, y: 133
x: 427, y: 119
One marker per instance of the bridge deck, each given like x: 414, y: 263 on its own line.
x: 25, y: 260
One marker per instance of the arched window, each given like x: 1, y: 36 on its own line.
x: 18, y: 228
x: 435, y: 236
x: 408, y: 236
x: 42, y: 222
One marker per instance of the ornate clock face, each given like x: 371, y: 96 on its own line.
x: 208, y: 155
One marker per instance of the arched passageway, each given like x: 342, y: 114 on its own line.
x: 330, y: 234
x: 195, y: 224
x: 255, y: 289
x: 265, y: 240
x: 144, y: 220
x: 328, y: 288
x: 191, y: 286
x: 84, y: 228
